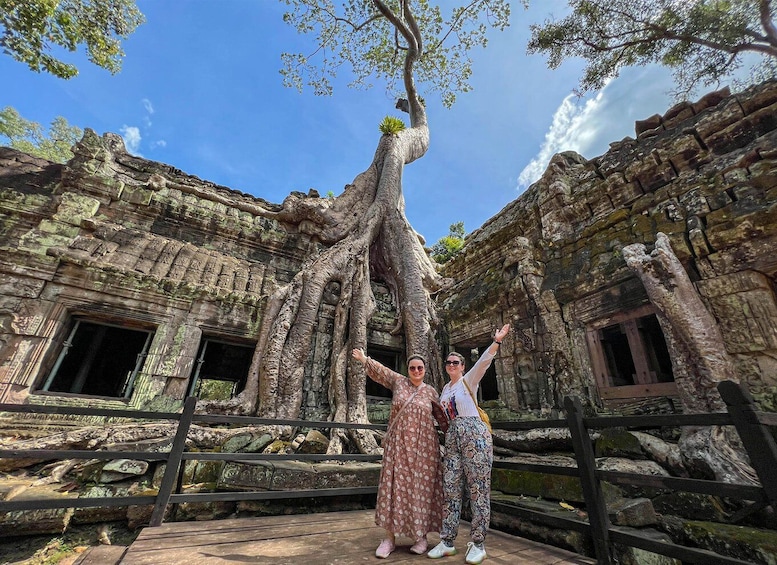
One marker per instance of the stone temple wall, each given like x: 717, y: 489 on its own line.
x: 550, y: 263
x: 119, y: 241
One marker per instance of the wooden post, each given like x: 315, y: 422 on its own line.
x: 592, y: 488
x: 756, y: 437
x: 598, y: 361
x: 638, y: 353
x: 173, y: 462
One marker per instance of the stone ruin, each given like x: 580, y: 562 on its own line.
x: 112, y: 248
x: 117, y: 260
x: 552, y: 261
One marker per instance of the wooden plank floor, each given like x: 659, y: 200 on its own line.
x: 341, y: 538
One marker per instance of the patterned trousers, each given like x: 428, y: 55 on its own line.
x: 469, y: 455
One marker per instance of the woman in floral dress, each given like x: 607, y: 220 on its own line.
x: 410, y: 488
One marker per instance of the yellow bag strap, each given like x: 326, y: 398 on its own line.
x: 469, y: 390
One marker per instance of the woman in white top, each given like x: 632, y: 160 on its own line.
x: 469, y: 454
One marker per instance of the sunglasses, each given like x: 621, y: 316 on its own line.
x: 457, y: 362
x: 416, y: 368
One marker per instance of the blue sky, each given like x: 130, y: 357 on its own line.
x: 200, y: 90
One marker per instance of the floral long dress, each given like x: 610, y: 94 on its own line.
x: 410, y: 495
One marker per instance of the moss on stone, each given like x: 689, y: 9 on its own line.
x: 546, y: 486
x: 736, y: 541
x: 619, y: 443
x: 765, y: 398
x: 528, y: 483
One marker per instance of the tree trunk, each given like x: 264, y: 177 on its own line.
x: 699, y: 360
x: 365, y: 236
x: 699, y: 357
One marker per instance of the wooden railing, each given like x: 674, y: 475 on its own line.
x: 751, y: 424
x: 167, y: 493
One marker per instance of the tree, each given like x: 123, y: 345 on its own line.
x: 33, y: 29
x: 449, y: 245
x: 363, y: 232
x: 702, y: 41
x: 699, y: 360
x: 374, y: 38
x: 29, y: 136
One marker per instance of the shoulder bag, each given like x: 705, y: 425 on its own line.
x: 439, y: 414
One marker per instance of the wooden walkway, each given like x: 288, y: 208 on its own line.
x: 342, y: 538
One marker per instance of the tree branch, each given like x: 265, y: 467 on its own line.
x: 412, y: 34
x: 765, y: 10
x: 398, y: 24
x: 453, y: 24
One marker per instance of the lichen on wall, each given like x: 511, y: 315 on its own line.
x: 551, y: 262
x: 117, y: 239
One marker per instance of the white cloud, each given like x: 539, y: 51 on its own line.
x: 132, y: 138
x: 589, y: 125
x: 149, y: 107
x: 573, y: 129
x: 131, y: 134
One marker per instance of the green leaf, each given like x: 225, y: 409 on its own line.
x: 32, y: 30
x: 352, y: 36
x: 702, y: 41
x: 29, y: 137
x: 391, y: 125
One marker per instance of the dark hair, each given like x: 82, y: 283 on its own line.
x: 456, y: 354
x: 421, y: 359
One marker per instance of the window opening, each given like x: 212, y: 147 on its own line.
x: 99, y: 360
x: 620, y: 363
x: 221, y: 370
x: 631, y: 352
x: 660, y: 360
x: 391, y: 360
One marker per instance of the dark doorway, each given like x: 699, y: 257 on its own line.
x: 221, y: 369
x: 390, y: 359
x: 488, y: 388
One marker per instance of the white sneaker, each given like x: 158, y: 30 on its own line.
x: 475, y: 554
x: 441, y: 550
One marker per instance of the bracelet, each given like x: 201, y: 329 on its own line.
x: 497, y: 342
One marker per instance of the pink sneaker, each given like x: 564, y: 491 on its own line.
x: 385, y: 548
x: 419, y: 547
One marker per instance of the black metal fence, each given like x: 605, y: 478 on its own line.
x: 751, y: 424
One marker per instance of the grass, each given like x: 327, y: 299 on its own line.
x: 61, y: 549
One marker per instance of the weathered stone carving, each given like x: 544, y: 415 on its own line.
x: 123, y: 239
x: 704, y: 175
